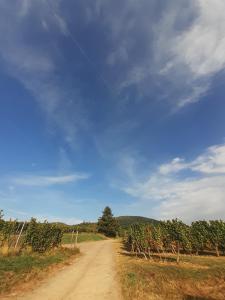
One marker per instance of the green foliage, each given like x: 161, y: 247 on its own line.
x: 82, y: 237
x: 107, y: 224
x: 178, y: 235
x: 82, y: 227
x: 126, y: 221
x: 16, y: 269
x: 42, y: 236
x: 199, y: 235
x: 8, y: 230
x: 175, y: 236
x: 1, y: 219
x: 216, y: 235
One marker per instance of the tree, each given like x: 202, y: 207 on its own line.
x: 107, y: 224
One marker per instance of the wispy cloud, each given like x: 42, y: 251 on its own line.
x: 201, y: 47
x: 53, y: 203
x: 33, y: 180
x: 173, y: 50
x: 36, y: 66
x: 212, y: 161
x: 188, y: 190
x: 180, y: 47
x: 192, y: 56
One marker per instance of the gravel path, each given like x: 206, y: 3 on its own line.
x: 91, y: 277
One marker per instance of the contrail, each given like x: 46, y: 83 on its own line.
x: 77, y: 44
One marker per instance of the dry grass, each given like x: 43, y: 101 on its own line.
x: 194, y: 278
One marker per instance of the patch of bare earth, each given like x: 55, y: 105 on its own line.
x: 91, y: 276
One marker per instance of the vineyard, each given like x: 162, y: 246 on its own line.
x: 34, y: 236
x: 29, y: 250
x: 174, y: 236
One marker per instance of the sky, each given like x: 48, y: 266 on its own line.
x: 117, y: 103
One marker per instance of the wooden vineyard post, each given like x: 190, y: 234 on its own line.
x: 75, y: 245
x: 21, y: 230
x: 72, y: 237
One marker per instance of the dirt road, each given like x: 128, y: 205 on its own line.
x: 91, y: 277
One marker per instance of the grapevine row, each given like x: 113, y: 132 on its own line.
x: 174, y: 236
x: 36, y: 236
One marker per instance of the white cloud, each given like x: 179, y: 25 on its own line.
x: 176, y: 165
x: 197, y: 92
x: 201, y: 47
x: 198, y: 193
x: 194, y: 198
x: 33, y: 180
x: 194, y: 55
x: 180, y: 46
x: 212, y: 161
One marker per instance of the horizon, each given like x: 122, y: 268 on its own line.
x: 84, y: 221
x: 112, y: 103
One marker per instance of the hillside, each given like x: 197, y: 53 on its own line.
x: 125, y: 221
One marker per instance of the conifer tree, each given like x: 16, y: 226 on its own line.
x: 107, y: 224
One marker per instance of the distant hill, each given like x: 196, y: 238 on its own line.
x: 125, y: 221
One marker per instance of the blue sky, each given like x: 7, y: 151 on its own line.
x: 112, y: 103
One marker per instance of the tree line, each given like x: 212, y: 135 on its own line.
x: 175, y: 236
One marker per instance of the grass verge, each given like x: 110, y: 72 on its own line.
x: 194, y: 278
x: 17, y: 272
x: 83, y: 237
